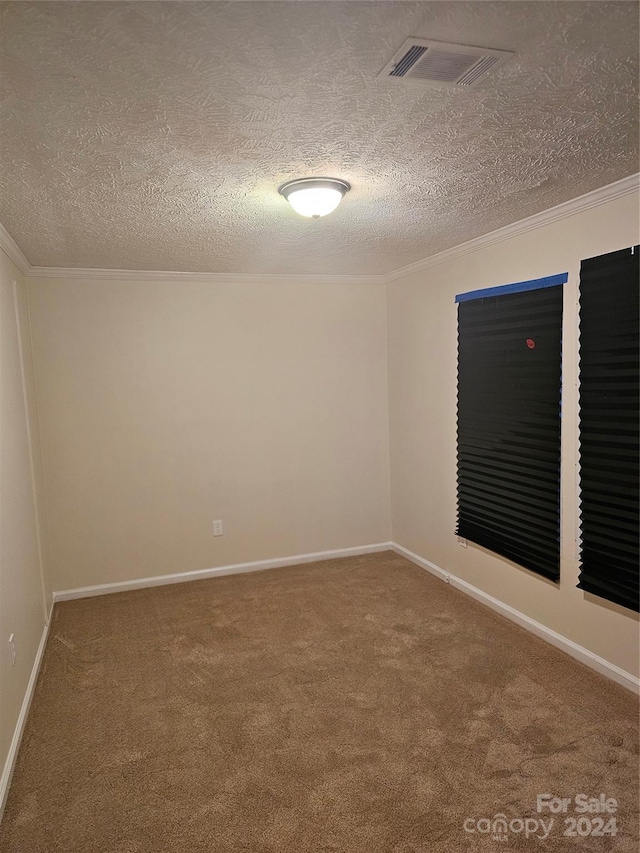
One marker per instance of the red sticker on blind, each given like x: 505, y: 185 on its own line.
x: 531, y: 343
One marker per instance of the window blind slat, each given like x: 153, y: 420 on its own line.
x: 609, y: 431
x: 509, y: 354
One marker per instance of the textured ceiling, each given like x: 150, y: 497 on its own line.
x: 154, y: 135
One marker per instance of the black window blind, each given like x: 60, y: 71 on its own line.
x: 509, y: 386
x: 609, y: 416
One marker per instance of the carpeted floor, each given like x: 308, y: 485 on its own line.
x: 351, y: 706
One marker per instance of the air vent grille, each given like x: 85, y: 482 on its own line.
x: 478, y: 70
x: 413, y: 54
x: 440, y: 63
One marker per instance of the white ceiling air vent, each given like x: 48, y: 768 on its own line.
x: 443, y: 64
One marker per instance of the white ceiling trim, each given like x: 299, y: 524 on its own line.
x: 90, y: 274
x: 9, y: 245
x: 539, y: 220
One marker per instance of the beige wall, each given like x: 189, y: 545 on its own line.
x: 164, y: 406
x: 422, y: 384
x: 25, y: 595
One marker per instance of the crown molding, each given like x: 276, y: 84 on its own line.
x: 9, y: 245
x: 538, y: 220
x: 90, y: 274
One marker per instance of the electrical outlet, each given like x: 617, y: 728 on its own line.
x: 217, y: 528
x: 462, y: 542
x: 12, y: 649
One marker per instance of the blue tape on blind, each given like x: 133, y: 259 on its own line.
x: 518, y: 287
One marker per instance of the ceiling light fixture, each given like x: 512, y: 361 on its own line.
x: 314, y: 197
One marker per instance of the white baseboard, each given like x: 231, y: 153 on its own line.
x: 604, y: 667
x: 201, y: 574
x: 7, y: 772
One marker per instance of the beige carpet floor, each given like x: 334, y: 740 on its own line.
x: 350, y: 706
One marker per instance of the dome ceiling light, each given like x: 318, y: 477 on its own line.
x: 314, y: 197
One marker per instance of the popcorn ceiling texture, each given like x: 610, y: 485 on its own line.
x: 154, y: 135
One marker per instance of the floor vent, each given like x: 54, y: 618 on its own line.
x: 440, y: 63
